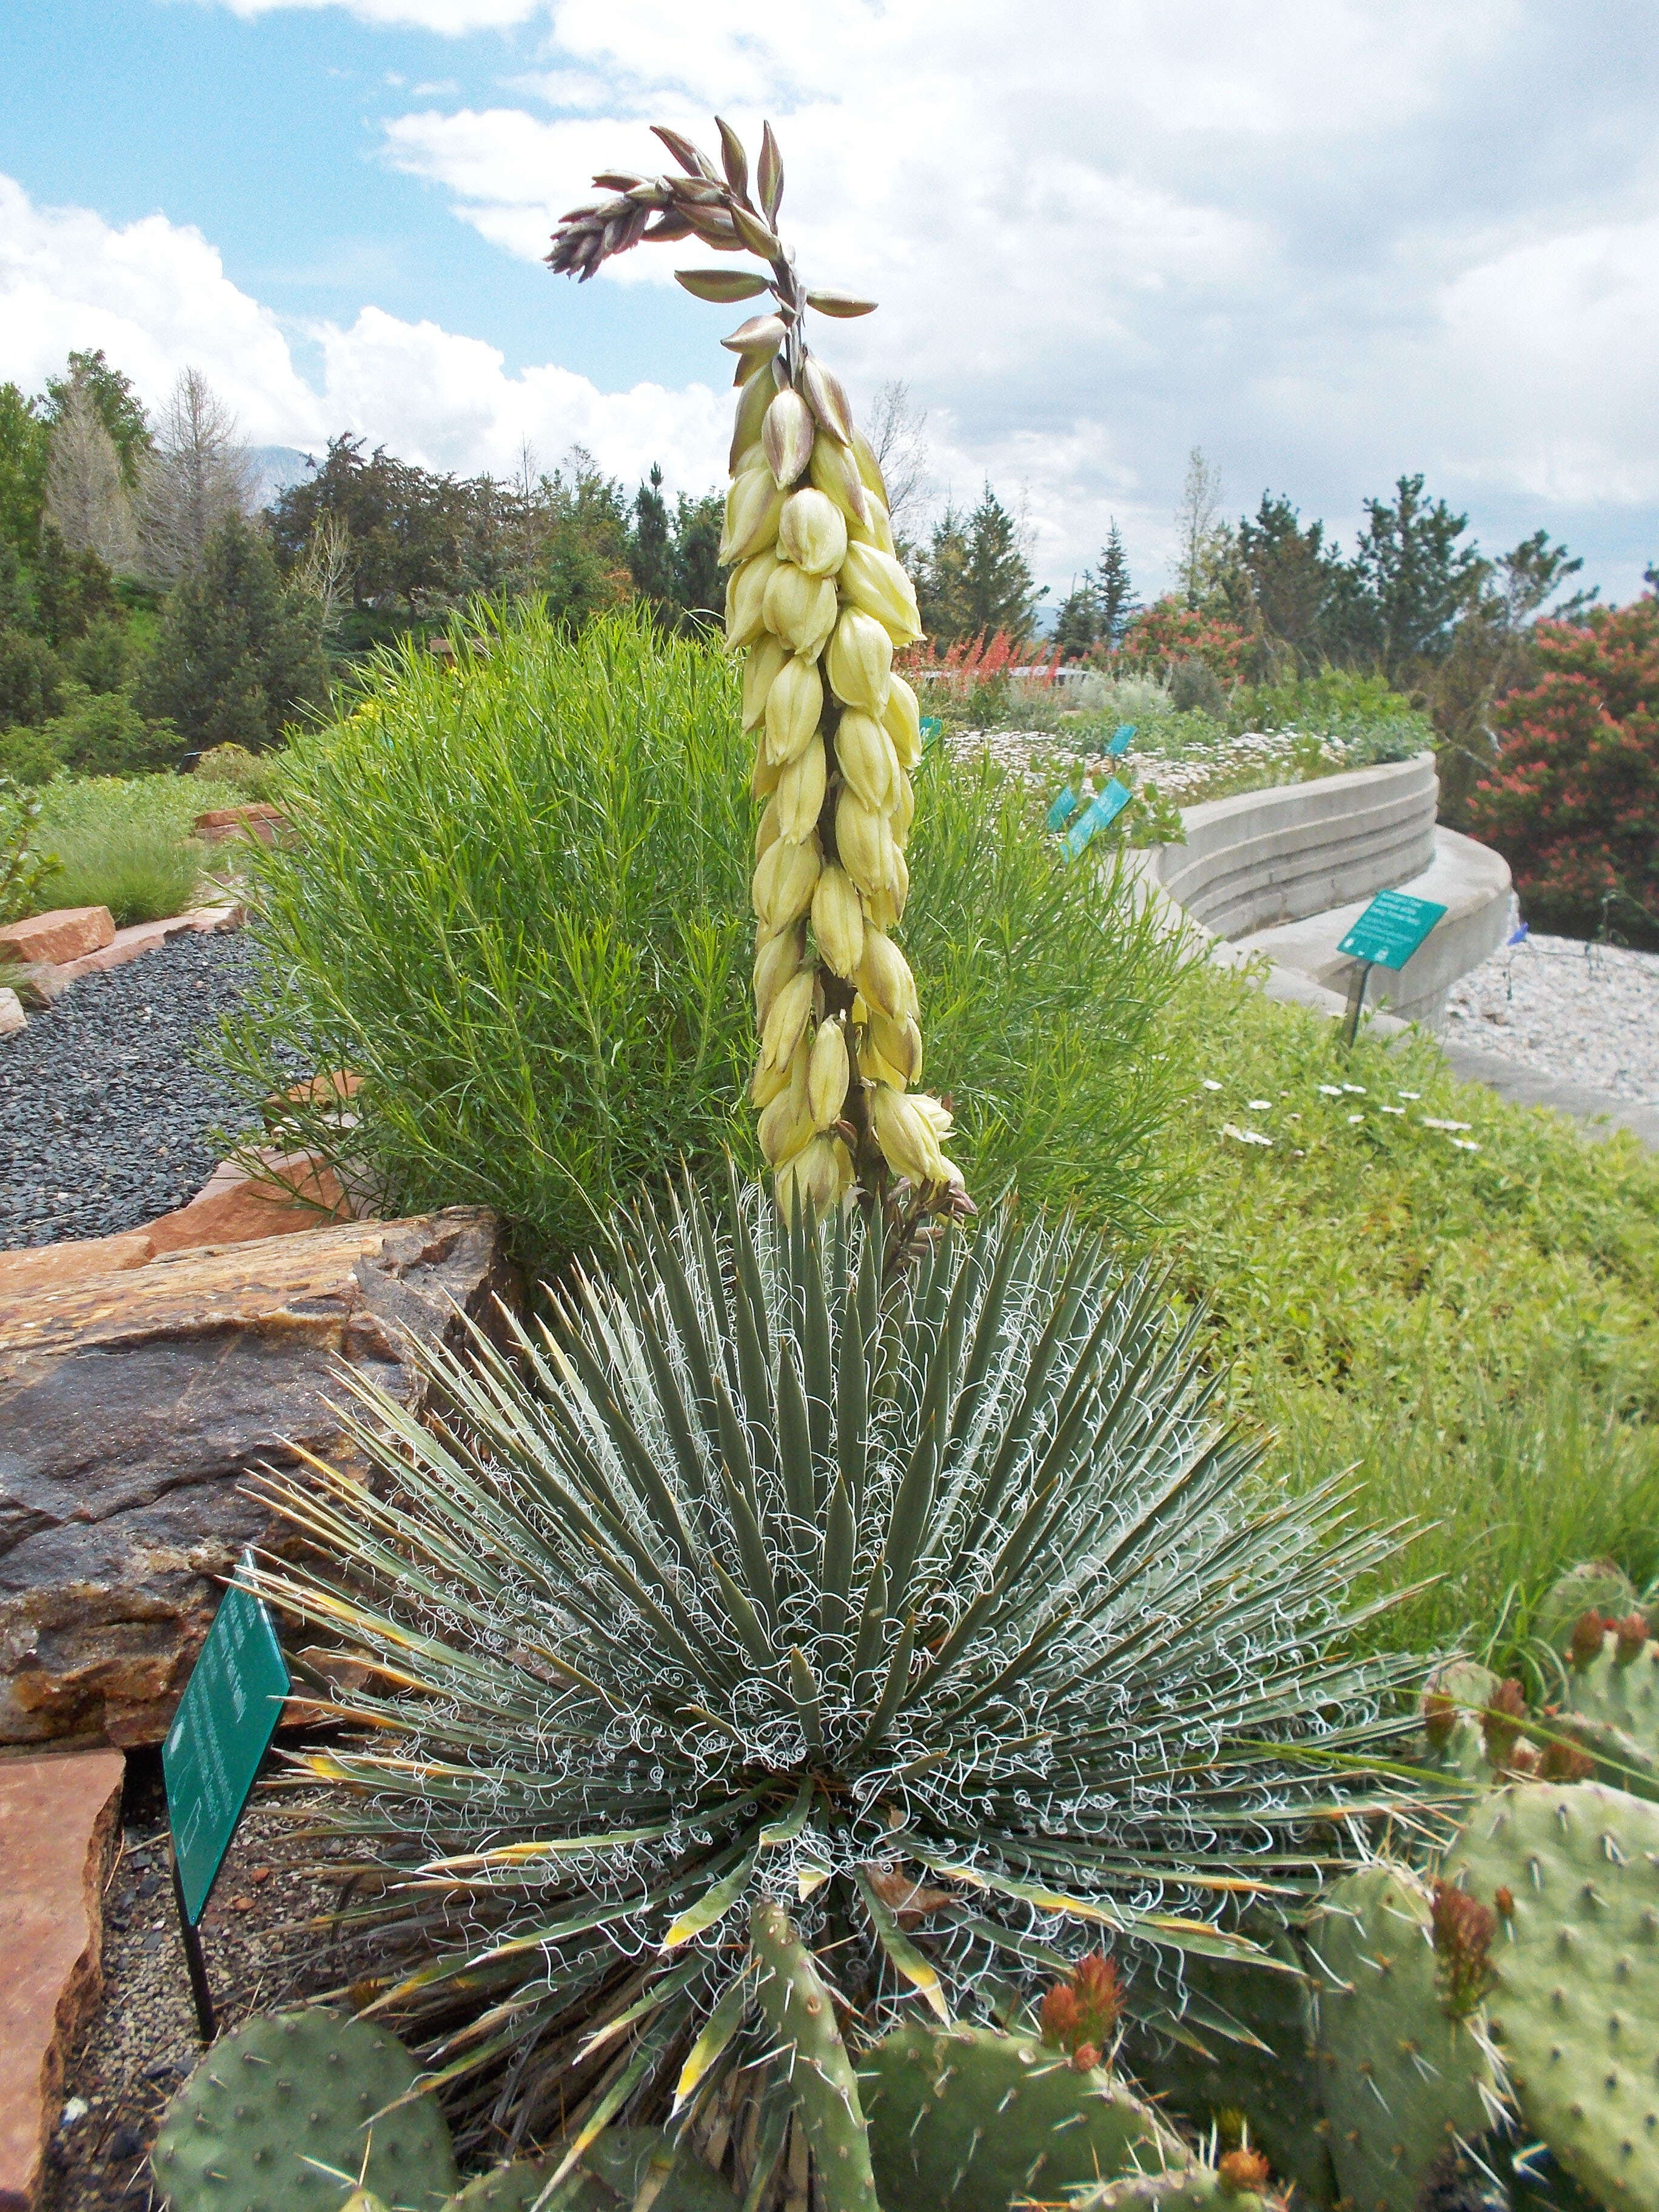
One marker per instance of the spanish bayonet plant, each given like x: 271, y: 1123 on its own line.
x: 757, y: 1653
x: 818, y: 600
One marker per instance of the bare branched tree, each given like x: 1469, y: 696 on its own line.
x: 1195, y: 524
x: 323, y: 574
x: 86, y: 498
x: 198, y: 476
x: 898, y: 438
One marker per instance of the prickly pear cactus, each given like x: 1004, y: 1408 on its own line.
x: 509, y: 2189
x: 621, y: 2156
x: 1196, y: 2189
x: 1572, y: 1876
x: 1274, y: 2084
x: 289, y: 2095
x: 1596, y: 1586
x: 1401, y: 2075
x: 975, y: 2120
x: 1619, y: 1686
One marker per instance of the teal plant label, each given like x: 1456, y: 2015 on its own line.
x: 1064, y: 807
x: 1105, y: 807
x: 1391, y: 928
x: 221, y: 1732
x: 1121, y: 739
x: 931, y: 727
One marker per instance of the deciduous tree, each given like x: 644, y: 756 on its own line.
x: 197, y: 474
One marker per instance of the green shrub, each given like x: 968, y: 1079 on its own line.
x: 27, y: 756
x: 126, y: 844
x: 103, y: 733
x: 25, y: 866
x: 254, y: 776
x: 517, y: 903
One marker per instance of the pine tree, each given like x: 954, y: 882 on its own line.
x: 975, y: 580
x: 25, y: 443
x: 238, y: 655
x: 1115, y: 604
x: 650, y: 555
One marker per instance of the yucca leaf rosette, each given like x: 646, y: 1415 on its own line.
x: 817, y: 602
x: 769, y: 1648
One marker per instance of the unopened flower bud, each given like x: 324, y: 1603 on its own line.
x: 766, y: 657
x: 901, y: 720
x: 753, y: 506
x: 907, y: 1140
x: 792, y: 707
x: 867, y: 761
x: 884, y: 977
x: 877, y: 531
x: 901, y: 807
x: 784, y: 883
x: 745, y: 598
x: 835, y: 474
x: 898, y: 1043
x: 753, y: 402
x: 838, y: 920
x: 786, y: 1019
x: 875, y: 581
x: 800, y: 793
x: 786, y: 437
x: 812, y: 533
x: 860, y: 657
x: 818, y: 1175
x: 864, y: 843
x: 827, y: 1074
x: 800, y: 608
x: 778, y: 959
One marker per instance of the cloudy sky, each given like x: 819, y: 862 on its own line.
x: 1329, y: 242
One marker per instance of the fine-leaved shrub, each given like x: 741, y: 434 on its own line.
x: 515, y: 901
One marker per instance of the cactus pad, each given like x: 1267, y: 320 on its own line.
x: 1597, y: 1586
x: 1573, y: 1874
x: 1275, y: 2089
x: 1401, y: 2079
x: 290, y: 2094
x: 1619, y: 1689
x: 979, y: 2119
x: 508, y: 2188
x: 1194, y: 2188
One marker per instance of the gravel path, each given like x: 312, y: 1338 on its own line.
x: 1579, y: 1013
x: 103, y: 1099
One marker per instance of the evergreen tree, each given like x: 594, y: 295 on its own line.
x: 651, y: 554
x: 975, y: 580
x: 1115, y: 604
x: 1077, y: 626
x: 24, y: 442
x: 238, y: 655
x: 697, y: 583
x: 1292, y: 574
x: 1399, y: 598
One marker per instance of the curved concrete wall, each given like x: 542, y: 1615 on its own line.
x: 1276, y: 856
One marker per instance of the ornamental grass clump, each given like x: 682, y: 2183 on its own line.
x: 769, y: 1621
x: 817, y: 601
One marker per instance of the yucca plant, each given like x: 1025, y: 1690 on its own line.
x: 936, y: 1612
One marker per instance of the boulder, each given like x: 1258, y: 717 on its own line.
x: 12, y: 1017
x: 134, y: 1403
x: 59, y: 1823
x: 69, y: 932
x: 254, y: 820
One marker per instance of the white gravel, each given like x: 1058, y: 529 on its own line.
x: 1581, y: 1013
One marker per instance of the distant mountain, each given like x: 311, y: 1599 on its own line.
x: 278, y: 467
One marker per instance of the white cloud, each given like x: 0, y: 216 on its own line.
x: 156, y: 296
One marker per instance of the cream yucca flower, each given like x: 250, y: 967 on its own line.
x: 817, y: 601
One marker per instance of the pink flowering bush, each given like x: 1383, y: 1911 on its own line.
x: 1572, y: 802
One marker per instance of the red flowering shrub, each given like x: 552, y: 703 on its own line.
x: 1572, y: 803
x: 1167, y: 632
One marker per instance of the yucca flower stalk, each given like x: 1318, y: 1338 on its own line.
x: 817, y: 601
x: 753, y: 1629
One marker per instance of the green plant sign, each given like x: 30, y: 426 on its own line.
x: 222, y: 1731
x: 1391, y: 929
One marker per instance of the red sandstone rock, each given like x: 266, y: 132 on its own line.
x: 69, y: 932
x: 255, y: 820
x: 46, y: 1266
x: 134, y: 1405
x: 12, y: 1017
x: 144, y: 936
x: 59, y: 1821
